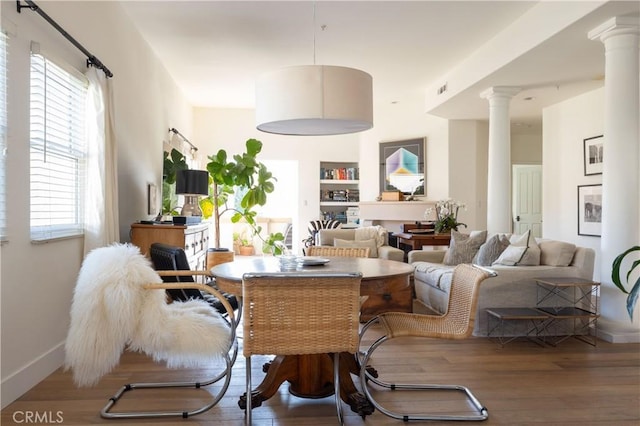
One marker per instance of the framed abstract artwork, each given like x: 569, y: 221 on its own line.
x: 590, y: 210
x: 593, y: 148
x: 402, y: 166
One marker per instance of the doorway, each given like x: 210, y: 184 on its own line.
x: 527, y: 198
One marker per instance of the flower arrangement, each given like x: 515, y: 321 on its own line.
x: 446, y: 212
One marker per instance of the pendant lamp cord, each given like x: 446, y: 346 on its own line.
x: 314, y: 33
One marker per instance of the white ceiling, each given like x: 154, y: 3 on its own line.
x: 215, y: 50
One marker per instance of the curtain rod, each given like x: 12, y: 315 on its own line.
x: 173, y: 130
x: 91, y: 59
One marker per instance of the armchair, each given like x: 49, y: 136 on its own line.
x: 119, y: 302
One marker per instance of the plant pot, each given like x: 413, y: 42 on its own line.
x: 246, y: 251
x: 218, y: 256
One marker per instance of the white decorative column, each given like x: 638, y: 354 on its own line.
x: 621, y: 164
x: 499, y: 178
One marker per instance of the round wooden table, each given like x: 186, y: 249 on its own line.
x: 311, y: 376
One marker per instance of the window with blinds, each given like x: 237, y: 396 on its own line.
x: 3, y: 135
x: 58, y: 149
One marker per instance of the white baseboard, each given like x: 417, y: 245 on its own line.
x: 618, y: 337
x: 19, y: 382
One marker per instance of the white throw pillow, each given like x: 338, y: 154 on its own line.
x: 511, y: 256
x: 373, y: 252
x: 524, y: 246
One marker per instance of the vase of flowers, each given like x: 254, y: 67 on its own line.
x: 446, y: 213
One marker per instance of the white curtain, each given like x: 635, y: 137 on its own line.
x: 101, y: 192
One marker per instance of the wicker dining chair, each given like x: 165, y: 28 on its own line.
x: 457, y: 323
x: 338, y: 251
x: 300, y: 314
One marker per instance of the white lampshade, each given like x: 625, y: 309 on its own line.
x: 312, y: 100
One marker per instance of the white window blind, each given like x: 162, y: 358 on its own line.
x: 58, y: 148
x: 3, y: 135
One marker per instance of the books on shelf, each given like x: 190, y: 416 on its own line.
x: 340, y: 173
x: 340, y: 195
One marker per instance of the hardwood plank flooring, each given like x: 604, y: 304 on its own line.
x: 520, y: 384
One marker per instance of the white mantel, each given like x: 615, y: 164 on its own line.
x: 391, y: 214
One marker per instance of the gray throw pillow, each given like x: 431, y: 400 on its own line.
x: 491, y: 250
x: 463, y: 247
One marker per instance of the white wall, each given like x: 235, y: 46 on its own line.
x: 565, y: 126
x: 38, y: 280
x: 526, y: 148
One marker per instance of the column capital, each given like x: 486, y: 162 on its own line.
x: 615, y: 26
x: 500, y: 92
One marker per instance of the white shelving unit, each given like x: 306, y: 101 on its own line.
x: 340, y: 192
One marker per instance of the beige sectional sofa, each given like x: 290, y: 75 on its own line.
x: 514, y: 286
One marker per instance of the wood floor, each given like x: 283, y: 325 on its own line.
x: 520, y: 384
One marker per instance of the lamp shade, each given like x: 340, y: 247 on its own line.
x: 312, y: 100
x: 192, y: 182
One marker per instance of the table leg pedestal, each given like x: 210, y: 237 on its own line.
x: 310, y: 376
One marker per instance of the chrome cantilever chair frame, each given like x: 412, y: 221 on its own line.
x: 457, y: 323
x: 300, y: 314
x: 225, y: 374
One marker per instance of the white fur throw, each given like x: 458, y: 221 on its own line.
x: 111, y: 310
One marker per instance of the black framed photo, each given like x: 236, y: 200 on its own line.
x: 593, y: 148
x: 402, y: 166
x: 590, y: 210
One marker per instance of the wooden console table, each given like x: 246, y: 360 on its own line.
x: 416, y: 241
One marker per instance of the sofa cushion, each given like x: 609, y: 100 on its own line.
x: 463, y: 247
x: 523, y: 251
x: 491, y: 250
x: 376, y: 232
x: 373, y: 252
x: 556, y: 253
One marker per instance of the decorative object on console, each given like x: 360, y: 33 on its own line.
x: 590, y: 210
x: 632, y: 297
x: 192, y: 184
x: 402, y: 166
x: 593, y: 148
x: 446, y: 215
x: 311, y: 100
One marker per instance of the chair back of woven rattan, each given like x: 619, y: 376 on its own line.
x: 299, y: 314
x: 459, y: 320
x: 338, y: 251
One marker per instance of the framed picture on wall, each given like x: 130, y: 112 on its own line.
x: 590, y: 210
x: 593, y: 155
x: 402, y: 166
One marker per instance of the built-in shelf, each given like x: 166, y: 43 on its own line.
x: 340, y: 192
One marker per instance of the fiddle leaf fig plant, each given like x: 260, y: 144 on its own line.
x: 632, y: 297
x: 242, y: 173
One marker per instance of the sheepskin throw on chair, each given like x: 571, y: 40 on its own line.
x: 112, y: 310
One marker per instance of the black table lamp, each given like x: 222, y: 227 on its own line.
x: 192, y: 184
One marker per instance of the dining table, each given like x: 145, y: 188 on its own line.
x: 311, y: 376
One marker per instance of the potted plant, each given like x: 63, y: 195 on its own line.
x: 632, y: 297
x: 243, y: 244
x: 242, y: 173
x: 446, y: 215
x: 173, y: 162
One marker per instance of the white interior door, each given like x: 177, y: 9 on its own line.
x: 527, y: 199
